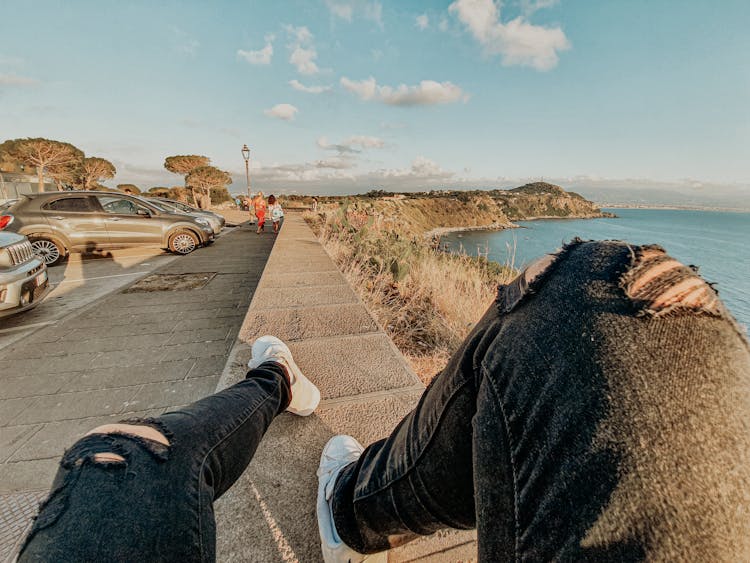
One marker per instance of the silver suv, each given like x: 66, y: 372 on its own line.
x: 58, y: 223
x: 23, y: 275
x: 216, y: 221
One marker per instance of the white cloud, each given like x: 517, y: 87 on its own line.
x: 528, y: 7
x: 422, y: 21
x: 336, y: 163
x: 304, y: 60
x: 183, y: 43
x: 340, y: 148
x: 443, y: 25
x: 374, y: 12
x: 299, y: 34
x: 341, y: 9
x: 421, y: 168
x: 338, y: 174
x: 517, y: 41
x: 261, y: 57
x: 347, y: 9
x: 297, y: 85
x: 303, y: 52
x: 366, y: 142
x: 427, y: 92
x: 16, y: 80
x: 287, y: 112
x: 354, y: 144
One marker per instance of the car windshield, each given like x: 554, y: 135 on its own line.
x: 179, y: 205
x: 157, y: 205
x: 165, y: 206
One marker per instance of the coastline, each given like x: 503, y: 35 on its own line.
x: 603, y: 215
x: 440, y: 231
x: 673, y: 207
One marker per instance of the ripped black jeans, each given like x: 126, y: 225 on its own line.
x: 598, y: 411
x: 157, y: 505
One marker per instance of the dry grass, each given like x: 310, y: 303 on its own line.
x: 426, y: 300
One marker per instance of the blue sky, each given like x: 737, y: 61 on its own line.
x: 414, y: 94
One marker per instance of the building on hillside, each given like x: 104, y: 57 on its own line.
x: 15, y: 184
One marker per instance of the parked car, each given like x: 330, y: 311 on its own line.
x: 216, y: 221
x: 23, y: 275
x: 58, y: 223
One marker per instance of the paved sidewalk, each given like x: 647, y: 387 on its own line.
x: 126, y: 354
x: 367, y: 387
x: 79, y: 281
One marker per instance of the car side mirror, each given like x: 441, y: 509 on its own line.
x: 144, y: 213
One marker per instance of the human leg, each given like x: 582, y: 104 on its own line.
x: 600, y: 391
x: 144, y: 489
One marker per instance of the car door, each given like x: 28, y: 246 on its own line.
x: 129, y: 223
x: 79, y: 218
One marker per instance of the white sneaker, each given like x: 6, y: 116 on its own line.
x: 305, y: 396
x: 339, y: 452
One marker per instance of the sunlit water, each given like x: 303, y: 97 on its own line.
x: 716, y: 241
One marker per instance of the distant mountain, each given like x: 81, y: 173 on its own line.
x: 707, y: 196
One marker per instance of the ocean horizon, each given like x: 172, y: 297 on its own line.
x: 712, y: 240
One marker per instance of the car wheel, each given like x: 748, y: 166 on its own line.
x: 183, y: 242
x: 49, y: 250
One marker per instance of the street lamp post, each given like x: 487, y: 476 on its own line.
x: 246, y: 156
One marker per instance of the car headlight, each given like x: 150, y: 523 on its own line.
x: 202, y: 221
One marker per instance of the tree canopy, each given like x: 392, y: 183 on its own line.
x: 184, y: 164
x: 205, y: 179
x: 92, y: 170
x: 55, y: 157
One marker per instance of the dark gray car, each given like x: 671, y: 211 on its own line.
x: 58, y: 223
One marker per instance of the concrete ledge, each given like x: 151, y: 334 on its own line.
x: 367, y: 388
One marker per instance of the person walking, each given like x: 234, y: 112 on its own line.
x: 259, y: 206
x: 276, y: 211
x: 598, y: 411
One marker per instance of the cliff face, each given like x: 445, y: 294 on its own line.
x: 452, y: 210
x: 542, y: 200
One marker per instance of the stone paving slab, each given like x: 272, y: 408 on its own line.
x: 303, y: 279
x: 12, y: 437
x: 352, y: 365
x: 117, y: 377
x: 165, y: 394
x: 309, y: 322
x: 66, y: 406
x: 285, y: 297
x: 32, y: 475
x: 34, y: 385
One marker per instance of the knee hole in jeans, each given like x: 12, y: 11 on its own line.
x: 151, y: 435
x: 659, y: 284
x: 147, y: 432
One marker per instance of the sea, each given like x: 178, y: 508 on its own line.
x: 716, y: 241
